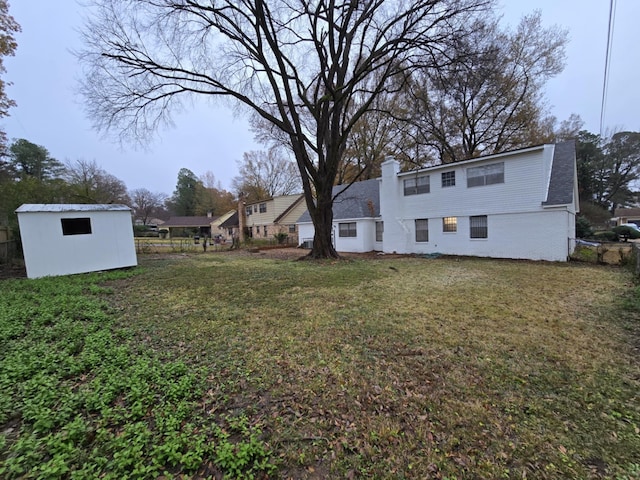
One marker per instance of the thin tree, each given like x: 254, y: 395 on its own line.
x: 297, y: 65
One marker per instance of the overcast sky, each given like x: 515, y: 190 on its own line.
x: 209, y: 138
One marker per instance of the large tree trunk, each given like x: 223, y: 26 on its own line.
x: 323, y: 224
x: 321, y: 212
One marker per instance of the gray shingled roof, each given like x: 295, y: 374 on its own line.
x: 360, y: 200
x: 562, y: 174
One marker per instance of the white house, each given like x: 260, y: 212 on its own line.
x: 62, y: 239
x: 356, y: 218
x: 519, y: 204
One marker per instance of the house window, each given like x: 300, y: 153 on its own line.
x: 422, y: 230
x: 76, y: 226
x: 379, y: 231
x: 449, y: 179
x: 265, y: 231
x: 248, y: 211
x: 263, y: 207
x: 478, y: 226
x: 450, y: 224
x: 347, y: 229
x: 292, y: 229
x: 414, y: 186
x: 485, y: 175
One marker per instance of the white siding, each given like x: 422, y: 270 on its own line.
x: 518, y: 225
x: 48, y: 252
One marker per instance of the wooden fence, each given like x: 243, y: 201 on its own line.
x: 7, y: 245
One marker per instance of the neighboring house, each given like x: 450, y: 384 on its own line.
x: 357, y: 226
x: 627, y: 215
x: 279, y: 214
x: 190, y: 225
x: 60, y: 239
x: 218, y: 229
x: 231, y: 226
x: 519, y: 204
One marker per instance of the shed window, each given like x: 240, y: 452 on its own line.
x: 76, y: 226
x: 347, y: 229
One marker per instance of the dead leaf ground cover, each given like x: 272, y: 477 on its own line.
x: 407, y: 368
x: 248, y: 365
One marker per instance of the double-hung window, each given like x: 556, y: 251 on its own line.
x: 263, y: 207
x: 379, y: 231
x: 422, y: 230
x: 485, y: 175
x: 416, y: 185
x: 347, y: 229
x: 478, y: 226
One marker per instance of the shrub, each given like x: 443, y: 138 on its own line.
x: 625, y: 232
x: 280, y: 237
x: 606, y: 236
x: 583, y: 227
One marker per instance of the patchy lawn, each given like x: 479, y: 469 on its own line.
x: 227, y: 364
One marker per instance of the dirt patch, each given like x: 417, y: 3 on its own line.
x: 12, y: 271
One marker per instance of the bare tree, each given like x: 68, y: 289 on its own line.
x: 89, y: 183
x: 146, y: 204
x: 298, y: 65
x: 265, y: 175
x: 490, y: 100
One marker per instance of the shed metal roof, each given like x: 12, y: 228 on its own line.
x: 70, y: 207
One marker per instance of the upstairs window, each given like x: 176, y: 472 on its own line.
x: 248, y: 211
x: 414, y: 186
x: 76, y: 226
x: 449, y: 179
x: 485, y: 175
x: 263, y: 207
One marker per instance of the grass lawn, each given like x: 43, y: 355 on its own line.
x: 220, y: 364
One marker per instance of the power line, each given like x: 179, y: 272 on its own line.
x: 607, y: 61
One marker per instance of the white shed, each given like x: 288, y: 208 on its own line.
x: 61, y: 239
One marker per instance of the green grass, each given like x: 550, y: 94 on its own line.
x: 213, y: 365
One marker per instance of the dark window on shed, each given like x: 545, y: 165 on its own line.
x: 76, y: 226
